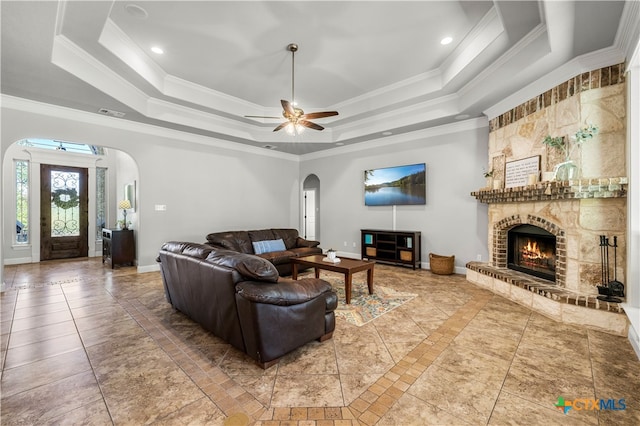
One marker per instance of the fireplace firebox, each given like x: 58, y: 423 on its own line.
x: 532, y: 250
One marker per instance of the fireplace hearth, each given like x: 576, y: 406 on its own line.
x: 532, y: 250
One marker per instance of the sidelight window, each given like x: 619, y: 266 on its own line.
x: 101, y: 201
x: 22, y: 201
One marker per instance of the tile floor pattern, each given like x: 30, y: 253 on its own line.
x: 84, y: 344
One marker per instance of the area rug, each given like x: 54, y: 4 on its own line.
x: 365, y: 307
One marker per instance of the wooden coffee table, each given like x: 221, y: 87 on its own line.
x: 348, y: 267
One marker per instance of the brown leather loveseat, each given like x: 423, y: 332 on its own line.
x: 241, y: 298
x: 251, y: 242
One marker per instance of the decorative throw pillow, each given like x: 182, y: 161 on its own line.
x: 267, y: 246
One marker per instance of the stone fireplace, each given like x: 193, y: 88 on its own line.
x: 544, y: 237
x: 575, y: 224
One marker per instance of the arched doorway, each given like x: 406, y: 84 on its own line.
x: 311, y: 208
x: 30, y: 162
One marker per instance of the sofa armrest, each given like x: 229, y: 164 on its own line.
x: 285, y: 292
x: 301, y: 242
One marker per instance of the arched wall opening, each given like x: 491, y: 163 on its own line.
x: 311, y: 207
x: 120, y: 171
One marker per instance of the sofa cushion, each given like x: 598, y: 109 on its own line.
x: 249, y: 266
x: 289, y: 236
x: 285, y: 292
x: 268, y: 246
x: 199, y: 251
x: 305, y: 251
x: 260, y: 235
x: 301, y: 242
x: 232, y: 240
x: 278, y: 257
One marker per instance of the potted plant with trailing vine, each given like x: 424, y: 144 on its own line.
x: 488, y: 175
x: 566, y: 145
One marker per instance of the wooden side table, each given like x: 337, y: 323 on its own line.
x: 118, y: 247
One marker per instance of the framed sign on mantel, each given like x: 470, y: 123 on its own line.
x: 519, y: 172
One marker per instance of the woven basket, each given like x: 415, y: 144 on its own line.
x: 441, y: 265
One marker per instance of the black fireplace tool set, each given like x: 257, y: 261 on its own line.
x: 610, y: 291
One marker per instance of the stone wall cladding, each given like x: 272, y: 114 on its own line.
x: 594, y: 204
x: 603, y: 77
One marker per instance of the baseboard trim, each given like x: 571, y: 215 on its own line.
x: 148, y: 268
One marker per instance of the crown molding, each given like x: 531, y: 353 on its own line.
x: 70, y: 57
x: 445, y: 129
x: 520, y: 48
x: 477, y: 41
x: 63, y: 113
x: 120, y: 45
x: 629, y: 29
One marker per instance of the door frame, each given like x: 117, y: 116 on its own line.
x: 48, y: 242
x: 36, y: 157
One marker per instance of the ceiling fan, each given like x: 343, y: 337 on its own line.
x: 296, y: 118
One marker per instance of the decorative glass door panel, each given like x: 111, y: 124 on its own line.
x: 64, y: 212
x: 65, y: 204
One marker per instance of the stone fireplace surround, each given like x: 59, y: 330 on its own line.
x: 576, y: 212
x: 573, y: 297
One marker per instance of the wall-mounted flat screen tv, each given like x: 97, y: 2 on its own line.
x: 400, y: 185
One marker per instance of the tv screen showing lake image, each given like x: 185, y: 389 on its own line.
x: 401, y: 185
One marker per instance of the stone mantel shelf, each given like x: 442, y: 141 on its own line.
x: 615, y: 187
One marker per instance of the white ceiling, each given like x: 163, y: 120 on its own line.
x: 380, y: 63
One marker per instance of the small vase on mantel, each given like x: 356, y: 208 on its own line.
x: 566, y: 171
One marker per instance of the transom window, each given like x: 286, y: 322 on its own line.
x: 58, y: 145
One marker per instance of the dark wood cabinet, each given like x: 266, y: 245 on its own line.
x: 397, y: 247
x: 118, y: 247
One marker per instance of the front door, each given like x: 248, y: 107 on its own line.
x: 64, y: 212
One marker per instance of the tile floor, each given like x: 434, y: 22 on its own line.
x: 84, y: 344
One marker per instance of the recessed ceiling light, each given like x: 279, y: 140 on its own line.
x: 136, y: 11
x: 339, y: 143
x: 158, y: 50
x: 446, y: 41
x: 387, y: 133
x: 270, y: 146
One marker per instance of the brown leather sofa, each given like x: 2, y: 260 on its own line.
x: 240, y: 298
x: 243, y: 242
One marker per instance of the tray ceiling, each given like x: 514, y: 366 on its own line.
x: 380, y: 64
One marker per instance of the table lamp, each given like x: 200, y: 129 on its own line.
x: 124, y: 205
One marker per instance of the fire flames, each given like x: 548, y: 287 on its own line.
x: 532, y: 252
x: 535, y: 257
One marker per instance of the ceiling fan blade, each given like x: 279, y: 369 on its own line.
x: 313, y: 115
x: 261, y: 116
x: 310, y: 125
x: 288, y: 108
x: 281, y: 126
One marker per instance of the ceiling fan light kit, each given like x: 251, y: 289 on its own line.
x: 296, y: 118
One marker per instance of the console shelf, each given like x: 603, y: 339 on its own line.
x: 396, y: 247
x: 118, y: 247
